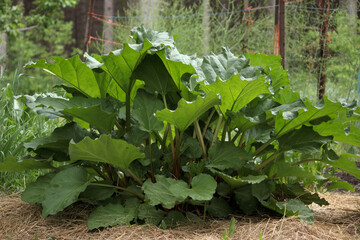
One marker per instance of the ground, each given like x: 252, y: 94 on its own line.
x: 339, y: 220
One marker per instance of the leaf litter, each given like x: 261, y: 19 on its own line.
x: 339, y: 220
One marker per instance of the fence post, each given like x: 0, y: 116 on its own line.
x: 276, y: 29
x: 321, y: 80
x: 279, y: 30
x: 282, y: 32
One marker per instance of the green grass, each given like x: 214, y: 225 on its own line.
x: 18, y: 125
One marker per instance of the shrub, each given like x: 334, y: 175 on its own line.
x: 154, y: 136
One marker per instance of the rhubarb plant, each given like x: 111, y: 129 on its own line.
x: 155, y: 136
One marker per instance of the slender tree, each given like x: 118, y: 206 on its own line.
x: 108, y: 31
x: 206, y: 24
x: 149, y: 9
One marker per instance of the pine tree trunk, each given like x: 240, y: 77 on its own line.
x: 108, y: 30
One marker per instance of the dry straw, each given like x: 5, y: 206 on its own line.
x: 339, y: 220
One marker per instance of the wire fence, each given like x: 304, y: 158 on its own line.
x: 251, y: 29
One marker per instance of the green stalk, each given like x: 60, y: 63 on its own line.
x: 305, y: 161
x: 208, y: 122
x: 107, y: 168
x: 98, y: 171
x: 263, y: 146
x: 141, y: 197
x: 200, y: 137
x: 241, y: 142
x: 172, y: 147
x: 179, y: 138
x: 127, y: 111
x: 163, y: 142
x: 157, y: 136
x: 127, y: 102
x: 119, y: 180
x: 134, y: 177
x: 171, y: 141
x: 119, y: 127
x: 267, y: 161
x: 236, y: 136
x: 151, y: 163
x: 217, y: 129
x: 223, y: 136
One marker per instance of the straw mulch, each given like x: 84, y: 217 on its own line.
x: 339, y: 220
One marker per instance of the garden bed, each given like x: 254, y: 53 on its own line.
x: 339, y: 220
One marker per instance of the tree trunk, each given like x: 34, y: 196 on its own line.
x: 3, y: 42
x: 108, y: 30
x: 206, y: 25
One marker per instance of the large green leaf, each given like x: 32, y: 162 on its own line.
x: 236, y: 181
x: 220, y: 208
x: 155, y: 75
x: 340, y: 185
x: 298, y: 208
x: 157, y: 39
x: 245, y: 200
x: 226, y: 155
x: 222, y: 66
x: 150, y: 214
x: 98, y: 112
x: 349, y: 134
x: 93, y: 194
x: 120, y: 65
x: 11, y: 164
x: 57, y: 144
x: 166, y: 191
x: 176, y: 67
x: 304, y: 140
x: 187, y: 112
x: 296, y: 190
x: 113, y: 214
x: 282, y: 169
x: 190, y: 148
x: 35, y: 192
x: 235, y: 92
x: 144, y: 108
x: 292, y: 207
x: 324, y: 108
x: 288, y: 110
x: 64, y: 189
x: 106, y: 82
x: 203, y: 187
x: 252, y: 114
x: 105, y: 149
x: 272, y: 67
x: 347, y: 163
x: 74, y: 72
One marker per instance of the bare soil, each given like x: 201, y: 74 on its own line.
x: 339, y: 220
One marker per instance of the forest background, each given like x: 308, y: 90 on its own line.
x: 36, y: 29
x: 32, y: 30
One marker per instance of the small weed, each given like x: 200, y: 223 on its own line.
x: 228, y: 233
